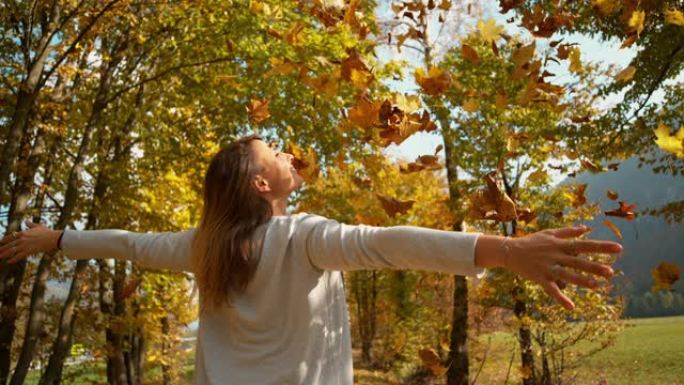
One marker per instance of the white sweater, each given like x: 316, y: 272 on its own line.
x: 290, y: 325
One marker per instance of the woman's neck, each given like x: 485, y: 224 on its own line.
x: 279, y: 206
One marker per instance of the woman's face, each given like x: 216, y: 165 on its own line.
x: 277, y: 177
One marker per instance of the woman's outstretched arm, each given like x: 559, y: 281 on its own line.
x: 546, y: 257
x: 167, y: 250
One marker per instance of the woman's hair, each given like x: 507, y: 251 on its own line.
x: 233, y: 210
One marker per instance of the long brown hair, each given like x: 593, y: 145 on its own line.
x: 223, y: 246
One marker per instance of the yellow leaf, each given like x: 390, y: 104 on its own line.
x: 670, y: 143
x: 436, y: 82
x: 665, y: 275
x: 575, y: 60
x: 636, y: 21
x: 489, y: 31
x: 445, y: 5
x: 407, y: 103
x: 471, y: 104
x: 613, y: 228
x: 606, y: 7
x: 674, y: 16
x: 626, y: 74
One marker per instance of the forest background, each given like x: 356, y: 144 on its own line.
x: 501, y: 117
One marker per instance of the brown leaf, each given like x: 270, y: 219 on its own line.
x: 432, y: 361
x: 624, y: 211
x: 435, y: 82
x: 258, y: 110
x: 612, y: 195
x: 591, y: 166
x: 665, y: 275
x: 305, y: 162
x: 578, y: 197
x: 470, y: 54
x: 365, y: 113
x: 612, y: 228
x: 492, y: 203
x: 393, y: 206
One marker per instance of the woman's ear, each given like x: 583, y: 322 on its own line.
x: 261, y: 184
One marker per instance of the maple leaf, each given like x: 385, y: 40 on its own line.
x: 577, y: 196
x: 423, y: 162
x: 591, y: 166
x: 524, y: 54
x: 489, y: 31
x: 365, y: 113
x: 626, y: 74
x: 394, y: 206
x: 624, y: 211
x: 470, y: 54
x: 305, y: 162
x: 674, y: 16
x: 612, y: 228
x: 665, y: 275
x: 258, y: 110
x: 606, y: 7
x: 636, y: 21
x: 671, y: 143
x: 432, y: 361
x: 353, y: 62
x: 435, y: 82
x: 492, y: 203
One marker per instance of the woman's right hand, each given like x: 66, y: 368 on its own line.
x: 20, y: 244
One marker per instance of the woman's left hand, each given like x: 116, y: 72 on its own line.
x: 20, y: 244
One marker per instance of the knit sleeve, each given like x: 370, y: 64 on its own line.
x: 331, y: 245
x: 167, y: 250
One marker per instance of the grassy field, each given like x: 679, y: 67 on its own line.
x: 650, y: 352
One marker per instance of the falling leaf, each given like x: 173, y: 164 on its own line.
x: 523, y: 55
x: 612, y: 228
x: 575, y: 60
x: 624, y: 211
x: 407, y: 103
x: 353, y: 62
x: 636, y: 21
x: 577, y: 196
x: 629, y: 42
x: 492, y: 203
x: 280, y: 67
x: 612, y: 195
x: 393, y: 206
x: 471, y: 104
x: 626, y: 74
x: 258, y: 110
x: 445, y: 5
x: 674, y: 16
x: 501, y: 100
x: 538, y: 176
x: 489, y: 31
x: 305, y: 162
x: 365, y: 113
x: 665, y: 275
x: 591, y: 166
x: 526, y: 215
x: 438, y: 148
x: 431, y: 361
x: 435, y: 82
x: 671, y: 143
x: 129, y: 288
x: 470, y: 54
x: 606, y: 7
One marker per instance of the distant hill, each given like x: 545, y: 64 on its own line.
x: 647, y: 240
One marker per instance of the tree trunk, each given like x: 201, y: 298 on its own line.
x: 166, y: 369
x: 525, y: 342
x: 365, y: 290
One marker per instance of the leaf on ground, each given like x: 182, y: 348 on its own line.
x: 612, y: 228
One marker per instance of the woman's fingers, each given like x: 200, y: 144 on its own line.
x: 567, y: 232
x: 8, y: 249
x: 583, y: 264
x: 577, y: 279
x: 590, y: 246
x: 552, y: 289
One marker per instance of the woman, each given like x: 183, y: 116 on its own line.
x: 273, y: 308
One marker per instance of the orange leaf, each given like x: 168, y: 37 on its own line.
x: 393, y: 206
x: 435, y: 82
x: 613, y: 228
x: 665, y: 275
x: 624, y: 211
x: 258, y: 110
x: 470, y: 54
x: 432, y: 361
x: 612, y: 195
